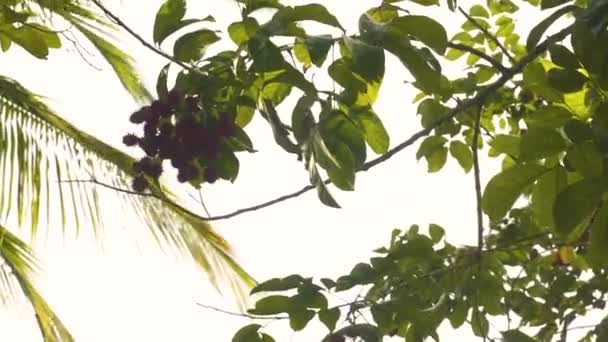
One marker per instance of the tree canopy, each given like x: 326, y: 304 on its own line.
x: 536, y: 100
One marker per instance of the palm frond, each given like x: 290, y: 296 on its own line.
x: 18, y: 266
x: 39, y: 150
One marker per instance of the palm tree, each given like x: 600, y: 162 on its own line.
x: 39, y: 150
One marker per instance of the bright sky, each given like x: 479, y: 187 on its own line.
x: 132, y: 292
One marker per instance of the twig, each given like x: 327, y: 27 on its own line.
x: 160, y: 52
x: 476, y: 172
x: 503, y: 69
x: 200, y: 196
x: 237, y: 314
x: 78, y: 48
x: 487, y: 33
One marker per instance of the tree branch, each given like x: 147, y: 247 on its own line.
x: 503, y: 69
x: 237, y: 314
x: 139, y: 38
x: 488, y: 34
x: 477, y: 177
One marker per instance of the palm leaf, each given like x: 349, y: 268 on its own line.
x: 16, y: 282
x: 39, y: 150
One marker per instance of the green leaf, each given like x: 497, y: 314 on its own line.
x: 575, y: 204
x: 537, y: 143
x: 516, y: 335
x: 328, y: 283
x: 322, y: 191
x: 322, y: 154
x: 433, y: 149
x: 227, y: 166
x: 544, y: 194
x: 566, y: 80
x: 479, y: 11
x: 586, y: 159
x: 367, y: 333
x: 539, y: 30
x: 161, y: 83
x: 341, y: 72
x: 329, y: 317
x: 313, y: 49
x: 549, y: 117
x: 598, y: 238
x: 367, y: 60
x: 249, y: 333
x: 254, y: 5
x: 168, y: 19
x: 383, y: 316
x: 479, y: 323
x: 426, y: 73
x: 425, y: 2
x: 431, y: 111
x: 505, y: 188
x: 459, y: 314
x: 422, y: 28
x: 337, y: 127
x: 373, y: 130
x: 279, y: 132
x: 362, y: 274
x: 272, y: 305
x: 535, y: 79
x: 342, y: 176
x: 578, y: 131
x: 293, y: 77
x: 545, y: 4
x: 266, y: 56
x: 302, y: 120
x: 506, y: 144
x: 299, y: 319
x: 192, y: 46
x: 436, y: 232
x: 29, y: 39
x: 279, y: 284
x: 312, y: 12
x: 563, y: 57
x: 463, y: 154
x: 246, y: 106
x: 241, y: 32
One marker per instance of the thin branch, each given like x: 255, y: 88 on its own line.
x: 200, y: 196
x: 79, y: 49
x: 237, y: 314
x: 135, y: 35
x: 488, y: 34
x: 111, y: 187
x: 503, y: 69
x: 476, y: 172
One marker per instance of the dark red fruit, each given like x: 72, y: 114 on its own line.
x: 173, y: 98
x: 166, y: 129
x: 226, y: 126
x: 140, y: 183
x: 192, y: 104
x: 187, y: 173
x: 149, y: 147
x: 141, y: 115
x: 149, y: 130
x: 155, y: 170
x: 211, y: 175
x: 160, y: 108
x: 130, y: 140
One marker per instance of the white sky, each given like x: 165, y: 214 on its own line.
x: 131, y: 293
